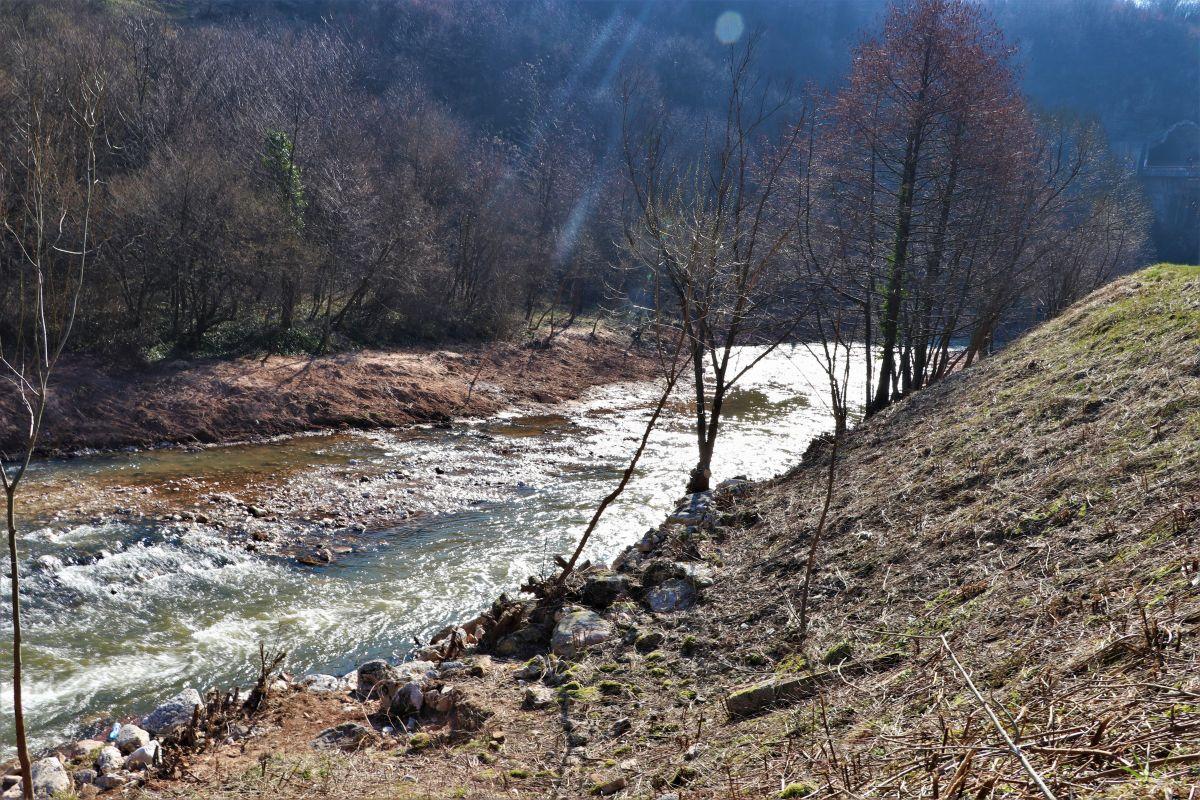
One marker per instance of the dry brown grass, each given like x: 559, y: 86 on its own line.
x: 1039, y: 511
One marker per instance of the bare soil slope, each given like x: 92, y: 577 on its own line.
x: 235, y: 400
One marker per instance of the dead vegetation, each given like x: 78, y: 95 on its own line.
x: 244, y: 399
x: 1007, y: 606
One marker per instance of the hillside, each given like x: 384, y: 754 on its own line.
x: 1033, y: 518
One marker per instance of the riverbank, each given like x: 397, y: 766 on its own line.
x: 1011, y: 549
x: 247, y: 399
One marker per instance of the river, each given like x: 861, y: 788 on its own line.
x: 128, y: 598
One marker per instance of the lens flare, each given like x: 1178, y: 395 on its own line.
x: 729, y: 27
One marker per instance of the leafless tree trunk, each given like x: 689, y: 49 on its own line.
x: 834, y: 356
x: 705, y: 227
x: 49, y: 302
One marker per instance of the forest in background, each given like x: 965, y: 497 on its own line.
x: 301, y: 176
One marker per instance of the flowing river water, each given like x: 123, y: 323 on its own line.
x: 146, y: 572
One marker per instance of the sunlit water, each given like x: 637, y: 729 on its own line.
x: 119, y: 614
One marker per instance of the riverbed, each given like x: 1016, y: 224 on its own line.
x: 154, y: 570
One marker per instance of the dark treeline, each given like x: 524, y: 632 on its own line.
x: 920, y: 208
x: 306, y: 175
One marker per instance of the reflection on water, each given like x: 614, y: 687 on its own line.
x: 124, y: 609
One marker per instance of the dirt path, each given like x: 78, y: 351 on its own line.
x: 235, y: 400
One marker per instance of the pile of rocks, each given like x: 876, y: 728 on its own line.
x: 411, y: 696
x: 90, y: 766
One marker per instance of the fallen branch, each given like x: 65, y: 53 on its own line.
x: 1116, y: 772
x: 672, y: 376
x: 1017, y: 751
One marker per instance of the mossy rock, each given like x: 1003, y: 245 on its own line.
x: 838, y: 653
x: 578, y: 692
x: 611, y: 688
x: 796, y: 789
x: 420, y: 741
x: 518, y: 774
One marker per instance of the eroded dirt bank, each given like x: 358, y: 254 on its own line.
x: 236, y: 400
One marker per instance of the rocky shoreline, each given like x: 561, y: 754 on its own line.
x: 424, y: 700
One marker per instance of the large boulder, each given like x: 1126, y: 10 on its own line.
x: 577, y: 630
x: 174, y: 714
x: 50, y: 778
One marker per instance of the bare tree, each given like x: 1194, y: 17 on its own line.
x: 704, y: 227
x: 50, y: 227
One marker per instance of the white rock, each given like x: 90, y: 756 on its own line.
x: 110, y: 760
x: 50, y: 777
x: 143, y: 757
x: 131, y: 738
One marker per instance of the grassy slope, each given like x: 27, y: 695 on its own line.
x: 1040, y: 510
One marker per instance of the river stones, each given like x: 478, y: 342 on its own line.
x: 174, y: 714
x: 676, y: 594
x: 579, y: 629
x: 110, y: 760
x: 347, y: 736
x: 373, y: 673
x: 50, y: 777
x: 144, y: 757
x: 130, y: 738
x: 601, y: 591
